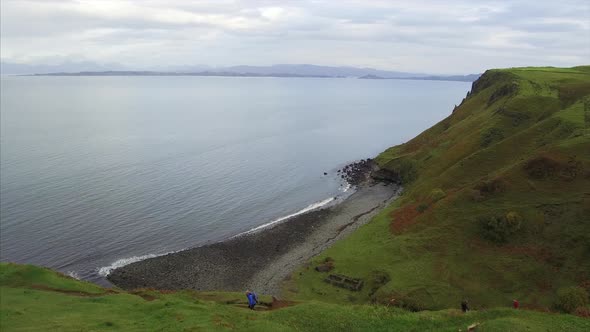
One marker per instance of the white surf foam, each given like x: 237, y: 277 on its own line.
x: 106, y: 270
x: 345, y: 189
x: 73, y: 274
x: 310, y: 207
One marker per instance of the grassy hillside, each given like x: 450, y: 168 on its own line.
x: 496, y: 203
x: 37, y: 299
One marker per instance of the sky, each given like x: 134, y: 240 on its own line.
x: 440, y: 37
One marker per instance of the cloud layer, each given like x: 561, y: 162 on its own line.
x: 452, y: 36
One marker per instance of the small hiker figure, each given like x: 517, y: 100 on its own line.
x: 515, y: 304
x: 464, y: 306
x: 252, y: 299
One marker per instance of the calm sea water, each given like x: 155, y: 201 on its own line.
x: 99, y: 171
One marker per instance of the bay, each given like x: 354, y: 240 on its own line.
x: 96, y: 171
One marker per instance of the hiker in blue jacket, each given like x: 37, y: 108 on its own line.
x: 252, y: 299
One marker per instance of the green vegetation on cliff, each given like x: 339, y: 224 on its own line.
x: 496, y: 203
x: 38, y: 299
x: 496, y: 207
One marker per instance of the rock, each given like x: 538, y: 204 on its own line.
x: 324, y: 268
x: 325, y: 173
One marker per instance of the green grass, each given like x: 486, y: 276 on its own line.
x: 36, y: 302
x: 437, y: 257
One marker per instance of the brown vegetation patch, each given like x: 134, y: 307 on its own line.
x: 544, y: 167
x: 583, y: 312
x: 492, y: 187
x: 278, y: 304
x: 144, y: 295
x: 572, y: 92
x: 404, y: 217
x: 222, y: 323
x: 73, y: 292
x: 538, y: 253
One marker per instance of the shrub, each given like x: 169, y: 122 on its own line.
x: 490, y: 136
x: 475, y: 195
x: 499, y: 229
x: 491, y: 187
x: 410, y: 304
x: 514, y: 218
x: 422, y: 207
x: 376, y: 280
x: 408, y: 171
x: 582, y: 312
x: 402, y: 170
x: 541, y: 167
x: 571, y: 298
x: 437, y: 194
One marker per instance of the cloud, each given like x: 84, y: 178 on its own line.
x: 455, y: 36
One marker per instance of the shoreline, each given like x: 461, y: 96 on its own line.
x: 260, y: 259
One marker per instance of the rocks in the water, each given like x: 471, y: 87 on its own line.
x: 358, y: 172
x: 325, y: 173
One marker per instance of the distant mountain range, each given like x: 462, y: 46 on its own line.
x: 280, y: 70
x: 462, y: 78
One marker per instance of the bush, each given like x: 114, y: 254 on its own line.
x: 490, y: 136
x: 376, y: 280
x: 437, y: 194
x: 422, y: 207
x: 408, y: 171
x: 582, y: 312
x: 541, y: 168
x: 491, y: 187
x: 500, y: 229
x: 571, y: 298
x: 514, y: 219
x: 402, y: 170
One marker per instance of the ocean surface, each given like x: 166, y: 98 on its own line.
x: 96, y: 172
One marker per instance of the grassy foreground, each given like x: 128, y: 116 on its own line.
x: 496, y: 203
x: 38, y: 299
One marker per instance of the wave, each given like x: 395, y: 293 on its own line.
x: 308, y: 208
x: 106, y: 270
x: 73, y: 274
x: 345, y: 189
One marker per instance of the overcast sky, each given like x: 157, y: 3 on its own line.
x: 451, y: 36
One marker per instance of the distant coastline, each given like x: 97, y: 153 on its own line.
x: 158, y: 73
x: 459, y: 78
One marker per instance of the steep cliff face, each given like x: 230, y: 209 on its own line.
x: 497, y: 198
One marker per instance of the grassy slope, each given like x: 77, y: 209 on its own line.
x: 37, y: 299
x: 437, y: 257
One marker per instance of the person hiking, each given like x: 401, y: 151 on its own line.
x: 515, y: 304
x: 464, y: 306
x: 252, y: 299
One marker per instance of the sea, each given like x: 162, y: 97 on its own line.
x: 99, y: 172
